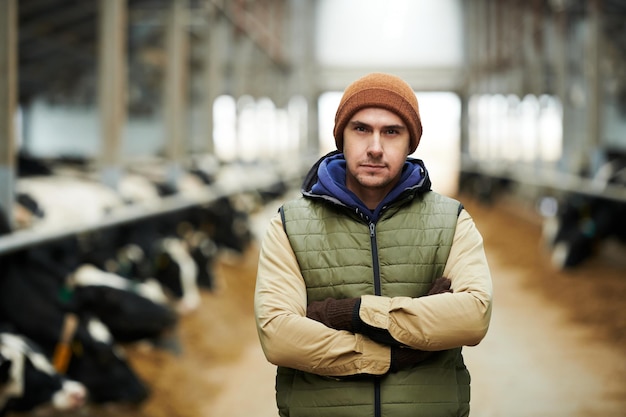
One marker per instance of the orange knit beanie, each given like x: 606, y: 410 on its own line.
x: 384, y: 91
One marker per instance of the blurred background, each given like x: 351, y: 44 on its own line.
x: 144, y: 145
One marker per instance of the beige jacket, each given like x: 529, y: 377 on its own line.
x: 437, y: 322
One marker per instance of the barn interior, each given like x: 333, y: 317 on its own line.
x: 188, y: 122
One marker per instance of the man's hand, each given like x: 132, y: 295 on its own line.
x: 404, y: 357
x: 336, y: 314
x: 440, y: 285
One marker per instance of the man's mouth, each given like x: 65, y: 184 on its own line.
x: 373, y: 166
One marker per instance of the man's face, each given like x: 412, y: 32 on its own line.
x: 375, y: 145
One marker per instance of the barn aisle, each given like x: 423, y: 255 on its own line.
x: 556, y: 342
x: 221, y: 370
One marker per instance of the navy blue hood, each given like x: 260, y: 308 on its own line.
x: 327, y: 180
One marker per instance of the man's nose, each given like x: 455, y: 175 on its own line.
x: 375, y: 145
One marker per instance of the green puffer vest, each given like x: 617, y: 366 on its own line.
x: 343, y: 256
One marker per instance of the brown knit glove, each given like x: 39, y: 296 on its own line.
x: 404, y: 357
x: 440, y: 285
x: 336, y: 314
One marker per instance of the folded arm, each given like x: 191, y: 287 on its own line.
x: 446, y: 320
x: 287, y: 336
x: 458, y: 316
x: 378, y: 328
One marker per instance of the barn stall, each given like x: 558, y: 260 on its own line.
x: 139, y: 267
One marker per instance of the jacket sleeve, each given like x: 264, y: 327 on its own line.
x: 447, y: 320
x: 287, y: 336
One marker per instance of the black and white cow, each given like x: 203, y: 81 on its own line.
x: 580, y: 227
x: 579, y: 224
x: 149, y: 251
x: 28, y: 380
x: 178, y: 248
x: 133, y: 311
x: 101, y: 365
x: 140, y: 250
x: 224, y: 223
x: 32, y: 300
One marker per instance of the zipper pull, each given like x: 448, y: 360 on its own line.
x: 372, y: 230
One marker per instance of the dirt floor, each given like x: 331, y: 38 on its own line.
x: 557, y: 340
x: 556, y: 346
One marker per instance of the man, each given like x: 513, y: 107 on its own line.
x: 369, y: 284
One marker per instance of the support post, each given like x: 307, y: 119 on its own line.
x: 176, y: 89
x: 595, y: 48
x: 8, y: 104
x: 112, y: 87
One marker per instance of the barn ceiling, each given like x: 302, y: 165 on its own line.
x: 58, y: 45
x: 58, y: 49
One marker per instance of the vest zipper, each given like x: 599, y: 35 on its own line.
x: 375, y: 264
x: 377, y: 291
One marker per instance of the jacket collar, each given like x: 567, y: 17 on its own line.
x: 327, y: 180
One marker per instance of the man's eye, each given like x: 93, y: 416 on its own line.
x: 392, y: 132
